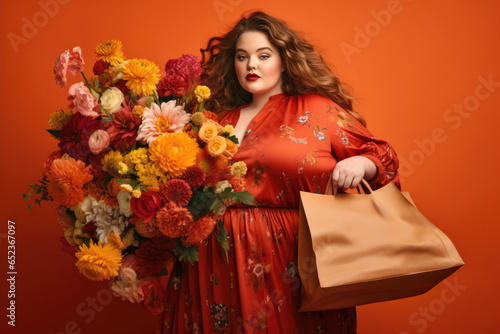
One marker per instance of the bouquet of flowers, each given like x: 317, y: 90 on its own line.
x: 140, y: 182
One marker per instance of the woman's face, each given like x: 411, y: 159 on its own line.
x: 258, y: 64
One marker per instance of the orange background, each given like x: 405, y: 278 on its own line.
x: 408, y: 70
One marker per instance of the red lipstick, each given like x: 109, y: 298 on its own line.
x: 252, y: 77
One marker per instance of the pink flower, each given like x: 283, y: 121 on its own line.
x: 180, y: 75
x: 156, y: 121
x: 98, y: 141
x: 83, y: 100
x: 67, y: 61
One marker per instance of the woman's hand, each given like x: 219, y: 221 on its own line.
x: 349, y: 172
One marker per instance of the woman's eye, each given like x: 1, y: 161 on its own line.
x: 241, y: 57
x: 264, y: 56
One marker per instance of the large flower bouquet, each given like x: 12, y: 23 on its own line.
x: 139, y: 179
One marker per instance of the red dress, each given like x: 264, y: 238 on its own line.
x: 291, y: 145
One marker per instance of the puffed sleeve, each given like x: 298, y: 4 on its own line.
x: 350, y: 138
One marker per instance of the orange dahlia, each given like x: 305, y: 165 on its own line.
x: 66, y: 179
x: 176, y: 191
x: 173, y: 221
x: 174, y: 153
x: 98, y: 261
x: 199, y: 231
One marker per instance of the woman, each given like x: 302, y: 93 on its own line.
x: 295, y: 127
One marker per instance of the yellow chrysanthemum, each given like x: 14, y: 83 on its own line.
x: 111, y: 52
x: 138, y: 156
x: 229, y: 129
x: 142, y: 76
x: 111, y: 163
x: 115, y: 240
x: 202, y: 93
x: 238, y: 169
x: 98, y: 262
x: 174, y: 152
x: 57, y: 119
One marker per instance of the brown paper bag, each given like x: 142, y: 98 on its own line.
x: 356, y: 249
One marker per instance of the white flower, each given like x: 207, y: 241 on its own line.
x: 117, y: 71
x: 258, y: 270
x: 112, y: 99
x: 221, y: 185
x: 131, y: 292
x: 107, y: 219
x: 123, y: 198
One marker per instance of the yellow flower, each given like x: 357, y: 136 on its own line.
x: 135, y: 157
x: 138, y: 111
x: 238, y: 169
x: 111, y: 163
x: 122, y: 168
x: 57, y: 119
x: 229, y: 129
x: 136, y: 193
x: 174, y: 152
x: 98, y: 262
x: 202, y: 93
x: 115, y: 240
x: 111, y: 51
x: 127, y: 187
x: 198, y: 118
x: 142, y: 76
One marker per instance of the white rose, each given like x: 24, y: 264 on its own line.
x: 221, y: 185
x: 123, y: 198
x: 111, y: 100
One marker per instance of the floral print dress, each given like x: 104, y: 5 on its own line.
x: 293, y: 144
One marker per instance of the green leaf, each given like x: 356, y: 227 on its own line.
x: 96, y: 83
x: 231, y: 138
x: 26, y: 197
x: 55, y: 133
x: 133, y: 183
x: 201, y: 201
x: 29, y: 207
x: 186, y: 254
x: 222, y: 237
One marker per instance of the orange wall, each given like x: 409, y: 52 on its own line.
x: 410, y: 63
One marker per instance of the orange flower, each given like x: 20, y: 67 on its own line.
x: 99, y: 193
x: 199, y: 231
x: 210, y: 115
x: 207, y: 131
x: 173, y: 221
x: 113, y: 188
x: 217, y: 146
x: 174, y: 152
x: 231, y: 149
x: 66, y: 179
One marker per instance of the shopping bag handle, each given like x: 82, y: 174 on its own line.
x: 329, y: 190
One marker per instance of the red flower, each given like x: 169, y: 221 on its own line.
x: 100, y: 66
x: 146, y: 206
x: 90, y: 229
x: 152, y: 257
x: 181, y: 74
x: 121, y: 85
x: 154, y: 297
x: 75, y: 134
x: 96, y: 166
x: 123, y: 130
x: 210, y: 115
x: 238, y: 183
x: 173, y: 221
x: 199, y: 231
x: 176, y: 191
x: 194, y: 176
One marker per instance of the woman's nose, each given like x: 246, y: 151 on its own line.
x: 251, y: 63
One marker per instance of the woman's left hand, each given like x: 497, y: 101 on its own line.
x: 349, y: 172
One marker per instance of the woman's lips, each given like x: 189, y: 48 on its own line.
x: 252, y: 77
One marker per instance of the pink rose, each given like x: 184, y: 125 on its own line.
x: 146, y: 206
x: 154, y: 297
x: 83, y: 100
x: 98, y: 141
x: 67, y: 61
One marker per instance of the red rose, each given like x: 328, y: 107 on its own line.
x: 154, y: 297
x: 146, y: 206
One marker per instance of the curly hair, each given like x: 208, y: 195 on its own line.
x: 305, y: 71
